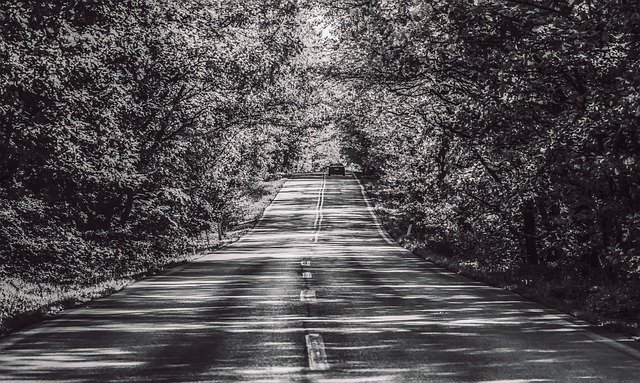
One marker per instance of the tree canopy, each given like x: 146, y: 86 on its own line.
x: 130, y: 126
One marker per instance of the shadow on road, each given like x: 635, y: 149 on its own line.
x: 384, y: 315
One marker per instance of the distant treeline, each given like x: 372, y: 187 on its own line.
x: 127, y: 127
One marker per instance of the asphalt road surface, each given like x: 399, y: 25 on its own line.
x: 316, y: 292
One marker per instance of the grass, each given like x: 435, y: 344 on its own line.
x: 25, y: 303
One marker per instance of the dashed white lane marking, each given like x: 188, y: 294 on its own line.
x: 374, y: 216
x: 306, y: 275
x: 316, y: 352
x: 308, y: 296
x: 305, y: 263
x: 317, y: 224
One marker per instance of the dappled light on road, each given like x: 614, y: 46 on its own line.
x: 383, y: 314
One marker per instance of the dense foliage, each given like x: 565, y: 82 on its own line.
x: 506, y: 132
x: 127, y: 127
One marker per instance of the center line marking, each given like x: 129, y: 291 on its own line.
x: 308, y: 296
x: 318, y: 222
x: 316, y: 352
x: 306, y: 275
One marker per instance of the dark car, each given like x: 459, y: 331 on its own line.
x: 336, y: 169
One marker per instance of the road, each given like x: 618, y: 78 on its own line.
x: 316, y: 292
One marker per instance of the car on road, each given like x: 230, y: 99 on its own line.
x: 336, y: 168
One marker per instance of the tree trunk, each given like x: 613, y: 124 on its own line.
x: 220, y: 231
x: 606, y: 229
x: 529, y: 221
x: 128, y: 205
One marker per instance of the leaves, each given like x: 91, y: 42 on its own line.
x: 468, y: 110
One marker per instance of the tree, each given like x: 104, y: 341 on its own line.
x: 129, y: 126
